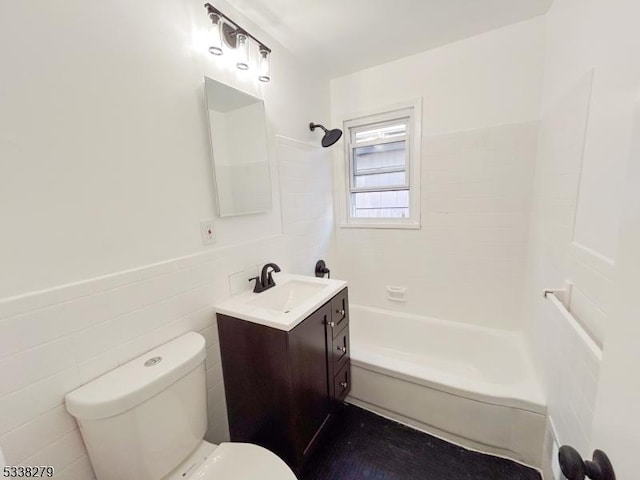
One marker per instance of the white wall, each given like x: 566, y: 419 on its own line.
x: 591, y: 78
x: 106, y: 164
x: 481, y: 100
x: 105, y: 175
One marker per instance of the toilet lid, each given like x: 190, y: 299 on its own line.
x: 243, y: 461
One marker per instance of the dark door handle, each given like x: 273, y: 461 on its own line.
x: 574, y: 468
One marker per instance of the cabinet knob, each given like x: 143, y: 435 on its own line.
x: 332, y: 324
x: 342, y: 349
x: 341, y: 312
x: 344, y: 385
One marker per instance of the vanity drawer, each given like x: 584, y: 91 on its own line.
x: 342, y: 383
x: 339, y: 312
x: 340, y: 349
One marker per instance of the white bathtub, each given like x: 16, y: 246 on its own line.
x: 471, y: 385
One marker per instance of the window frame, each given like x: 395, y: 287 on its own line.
x: 411, y: 113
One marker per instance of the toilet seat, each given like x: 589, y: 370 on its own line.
x: 242, y: 461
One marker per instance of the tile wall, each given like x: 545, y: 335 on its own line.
x: 466, y: 263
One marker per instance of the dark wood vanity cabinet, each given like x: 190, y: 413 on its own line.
x: 282, y: 387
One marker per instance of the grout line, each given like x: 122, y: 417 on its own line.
x: 157, y: 329
x: 217, y: 255
x: 58, y: 440
x: 76, y: 363
x: 74, y: 332
x: 35, y: 419
x: 95, y: 293
x: 75, y: 463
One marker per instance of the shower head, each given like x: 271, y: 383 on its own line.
x: 330, y: 136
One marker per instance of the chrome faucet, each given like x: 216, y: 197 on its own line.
x: 265, y: 280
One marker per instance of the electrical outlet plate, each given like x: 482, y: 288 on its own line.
x: 207, y: 232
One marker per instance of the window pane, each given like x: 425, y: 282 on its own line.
x: 381, y: 133
x: 391, y: 204
x: 381, y: 179
x: 387, y: 155
x: 379, y: 161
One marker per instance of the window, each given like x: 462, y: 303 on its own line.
x: 383, y: 170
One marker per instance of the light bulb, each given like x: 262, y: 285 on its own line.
x: 243, y: 52
x: 215, y: 46
x: 263, y: 65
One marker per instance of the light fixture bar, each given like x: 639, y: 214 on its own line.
x: 211, y: 9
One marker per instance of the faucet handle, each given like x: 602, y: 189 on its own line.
x: 257, y: 287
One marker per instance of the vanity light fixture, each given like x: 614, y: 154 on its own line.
x: 242, y: 51
x: 227, y: 32
x: 215, y: 47
x: 263, y: 64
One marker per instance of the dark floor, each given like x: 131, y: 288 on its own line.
x: 361, y: 445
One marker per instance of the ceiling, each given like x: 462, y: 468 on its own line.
x: 344, y: 36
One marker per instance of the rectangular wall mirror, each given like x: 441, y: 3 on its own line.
x: 238, y: 135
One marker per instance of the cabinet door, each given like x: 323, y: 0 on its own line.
x: 309, y: 378
x: 257, y: 383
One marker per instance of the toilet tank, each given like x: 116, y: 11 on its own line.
x: 142, y: 419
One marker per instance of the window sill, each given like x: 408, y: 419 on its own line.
x: 398, y: 226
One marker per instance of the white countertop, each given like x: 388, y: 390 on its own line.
x: 284, y: 306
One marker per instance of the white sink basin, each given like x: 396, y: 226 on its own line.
x: 284, y: 306
x: 284, y: 298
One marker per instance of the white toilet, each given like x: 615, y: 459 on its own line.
x: 146, y: 420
